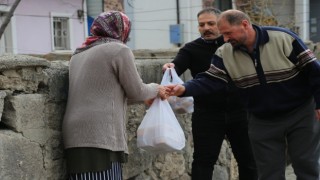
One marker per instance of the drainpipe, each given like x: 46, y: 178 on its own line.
x: 85, y: 20
x: 190, y: 24
x: 234, y: 6
x: 178, y: 16
x: 302, y: 17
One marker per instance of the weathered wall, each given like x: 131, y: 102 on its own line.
x: 33, y: 94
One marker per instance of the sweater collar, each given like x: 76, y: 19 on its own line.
x: 218, y: 41
x: 262, y: 35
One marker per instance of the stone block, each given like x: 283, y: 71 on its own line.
x: 3, y: 94
x: 20, y: 158
x: 12, y: 61
x: 25, y: 112
x: 57, y: 84
x: 21, y: 72
x: 150, y: 70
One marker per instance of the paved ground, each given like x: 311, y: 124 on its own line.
x: 289, y: 173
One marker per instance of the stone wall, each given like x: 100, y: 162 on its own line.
x: 33, y: 94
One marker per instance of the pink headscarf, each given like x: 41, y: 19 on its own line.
x: 107, y: 27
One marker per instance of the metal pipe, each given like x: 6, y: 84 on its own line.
x: 178, y: 16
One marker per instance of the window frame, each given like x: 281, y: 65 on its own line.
x: 222, y: 4
x: 69, y: 23
x: 8, y: 42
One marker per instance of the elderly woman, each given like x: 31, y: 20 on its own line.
x: 102, y: 76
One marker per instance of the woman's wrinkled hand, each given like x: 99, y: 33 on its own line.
x: 163, y: 92
x: 148, y: 102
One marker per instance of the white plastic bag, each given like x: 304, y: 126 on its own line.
x: 179, y: 105
x: 160, y: 131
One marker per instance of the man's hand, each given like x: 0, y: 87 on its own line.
x: 176, y: 90
x: 166, y: 66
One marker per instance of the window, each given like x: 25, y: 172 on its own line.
x: 61, y: 35
x: 61, y: 28
x: 223, y: 4
x: 220, y: 4
x: 7, y: 41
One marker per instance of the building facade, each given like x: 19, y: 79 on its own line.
x: 43, y: 26
x: 46, y: 26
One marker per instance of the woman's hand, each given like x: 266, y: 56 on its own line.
x: 148, y: 102
x: 163, y: 92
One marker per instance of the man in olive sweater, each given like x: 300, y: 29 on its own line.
x: 279, y: 79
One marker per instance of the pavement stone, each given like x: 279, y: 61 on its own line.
x: 290, y: 174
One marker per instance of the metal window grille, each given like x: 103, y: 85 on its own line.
x: 61, y: 33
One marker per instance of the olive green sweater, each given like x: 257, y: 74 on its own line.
x: 100, y: 81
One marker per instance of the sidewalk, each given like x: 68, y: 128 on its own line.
x: 290, y: 174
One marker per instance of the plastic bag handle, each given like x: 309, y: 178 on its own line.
x: 175, y: 78
x: 170, y: 76
x: 167, y: 78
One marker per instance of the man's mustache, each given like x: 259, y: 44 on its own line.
x: 208, y: 33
